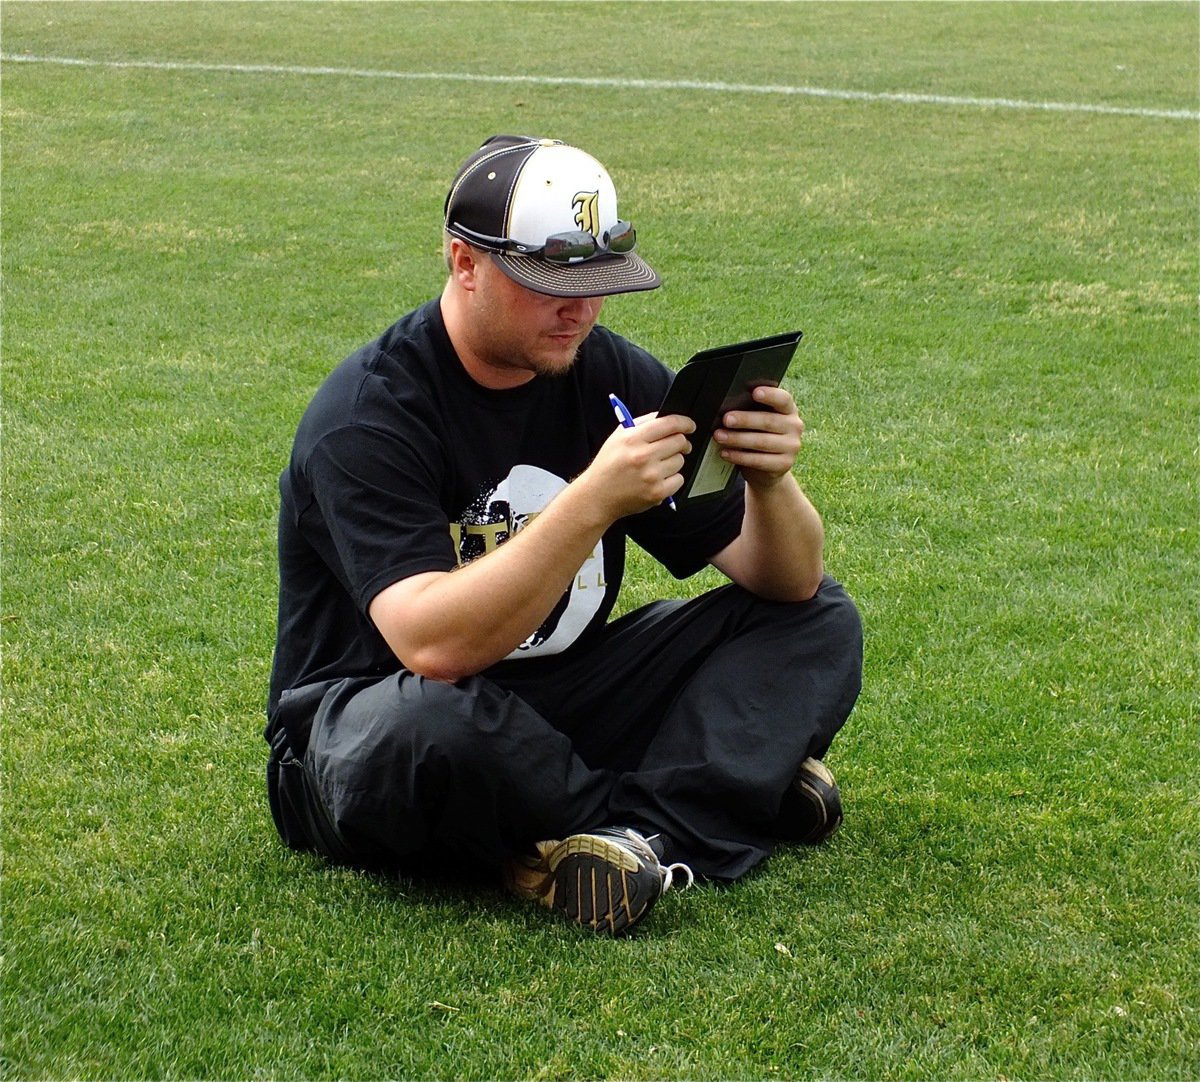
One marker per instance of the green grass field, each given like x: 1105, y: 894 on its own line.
x: 1000, y: 381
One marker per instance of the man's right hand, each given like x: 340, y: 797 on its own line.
x: 638, y: 468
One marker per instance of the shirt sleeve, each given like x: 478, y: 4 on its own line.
x: 375, y: 499
x: 685, y: 541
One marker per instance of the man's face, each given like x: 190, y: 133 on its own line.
x: 515, y: 330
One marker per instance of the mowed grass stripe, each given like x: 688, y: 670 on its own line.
x: 899, y: 97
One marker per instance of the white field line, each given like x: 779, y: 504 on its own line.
x: 619, y: 84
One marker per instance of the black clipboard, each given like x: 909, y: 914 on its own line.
x: 711, y: 384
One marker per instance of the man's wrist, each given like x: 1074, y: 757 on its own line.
x: 763, y: 483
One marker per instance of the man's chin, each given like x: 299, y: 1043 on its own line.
x: 555, y: 364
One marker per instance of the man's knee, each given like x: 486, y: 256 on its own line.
x: 405, y: 719
x: 824, y: 645
x: 841, y: 618
x: 829, y: 621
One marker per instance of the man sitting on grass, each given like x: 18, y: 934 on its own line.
x: 447, y: 688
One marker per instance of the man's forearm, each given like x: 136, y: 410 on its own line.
x: 448, y: 625
x: 778, y: 554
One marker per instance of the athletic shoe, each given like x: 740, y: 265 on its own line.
x: 606, y: 881
x: 812, y: 806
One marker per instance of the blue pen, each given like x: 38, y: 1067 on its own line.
x: 627, y: 421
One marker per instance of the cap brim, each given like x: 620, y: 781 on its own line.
x: 601, y: 277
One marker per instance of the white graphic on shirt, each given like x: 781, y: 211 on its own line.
x: 504, y: 512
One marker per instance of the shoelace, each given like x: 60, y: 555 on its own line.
x: 669, y: 876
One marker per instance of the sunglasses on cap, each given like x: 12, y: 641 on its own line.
x: 573, y: 246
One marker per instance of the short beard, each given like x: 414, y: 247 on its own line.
x: 546, y: 371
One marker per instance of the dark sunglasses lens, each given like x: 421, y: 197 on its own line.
x: 622, y: 239
x: 578, y: 245
x: 565, y: 247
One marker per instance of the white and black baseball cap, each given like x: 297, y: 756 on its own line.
x: 547, y: 215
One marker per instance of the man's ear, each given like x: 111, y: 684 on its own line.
x: 464, y: 263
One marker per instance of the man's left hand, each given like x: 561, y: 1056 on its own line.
x: 764, y: 443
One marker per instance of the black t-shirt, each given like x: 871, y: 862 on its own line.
x: 403, y: 464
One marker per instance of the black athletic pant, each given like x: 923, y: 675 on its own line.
x: 688, y: 720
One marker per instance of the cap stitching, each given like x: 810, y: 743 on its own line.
x: 621, y: 274
x: 487, y: 159
x: 512, y: 187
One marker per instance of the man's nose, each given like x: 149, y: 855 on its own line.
x: 580, y: 309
